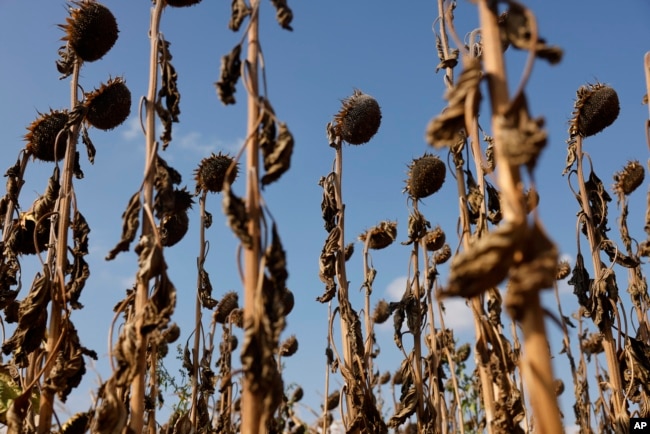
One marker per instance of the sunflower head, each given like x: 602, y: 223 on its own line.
x: 91, y: 30
x: 434, y: 239
x: 595, y: 109
x: 380, y: 236
x: 211, y: 173
x: 359, y: 118
x: 228, y: 303
x: 425, y: 176
x: 629, y: 179
x: 47, y: 136
x: 108, y: 106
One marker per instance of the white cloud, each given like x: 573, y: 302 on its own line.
x: 458, y: 316
x: 132, y: 129
x: 395, y: 289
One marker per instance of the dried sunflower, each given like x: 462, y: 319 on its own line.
x: 108, y: 106
x: 42, y: 140
x: 629, y: 179
x: 211, y: 173
x: 434, y: 239
x: 359, y: 118
x: 595, y: 109
x: 425, y: 176
x: 380, y: 236
x: 228, y: 303
x: 91, y: 30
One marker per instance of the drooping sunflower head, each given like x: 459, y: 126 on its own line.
x: 108, y: 106
x: 47, y: 136
x: 91, y: 30
x: 425, y: 176
x: 629, y: 179
x: 595, y: 109
x: 380, y: 236
x: 359, y: 118
x: 211, y: 173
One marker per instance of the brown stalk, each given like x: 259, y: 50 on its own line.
x: 61, y: 258
x: 646, y: 67
x: 137, y: 401
x: 609, y: 344
x: 252, y: 414
x: 536, y: 360
x: 197, y: 313
x: 341, y: 276
x: 417, y: 334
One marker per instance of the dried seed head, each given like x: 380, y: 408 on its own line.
x: 443, y: 255
x: 380, y: 236
x: 77, y: 424
x: 385, y: 378
x: 211, y: 173
x: 289, y: 346
x: 382, y: 312
x: 173, y: 228
x: 237, y: 318
x: 43, y: 133
x: 91, y: 30
x: 359, y: 118
x: 297, y: 394
x: 595, y: 109
x: 172, y: 333
x: 563, y: 270
x: 463, y: 352
x: 228, y: 303
x: 108, y: 106
x: 434, y: 239
x: 629, y: 179
x: 333, y: 400
x: 182, y: 3
x: 559, y: 386
x: 232, y: 343
x: 288, y: 302
x: 425, y: 176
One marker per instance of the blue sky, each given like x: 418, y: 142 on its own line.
x: 385, y: 48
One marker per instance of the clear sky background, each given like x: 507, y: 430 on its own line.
x: 385, y: 48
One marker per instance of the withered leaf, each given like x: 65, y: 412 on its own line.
x: 239, y: 11
x: 230, y: 72
x: 110, y: 416
x: 277, y: 162
x: 45, y: 204
x: 168, y: 92
x: 284, y: 15
x: 521, y: 138
x: 150, y: 259
x: 444, y: 129
x: 571, y: 155
x: 205, y: 290
x: 66, y: 61
x: 130, y: 225
x: 328, y: 205
x: 235, y: 209
x: 17, y: 412
x: 486, y: 263
x: 417, y: 227
x: 535, y: 271
x: 517, y: 25
x: 276, y: 261
x: 406, y: 408
x: 581, y: 283
x: 90, y: 148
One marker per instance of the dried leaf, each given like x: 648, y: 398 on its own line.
x: 130, y: 225
x: 444, y: 129
x: 90, y: 148
x: 405, y: 409
x: 328, y: 205
x: 229, y: 75
x: 278, y: 159
x: 486, y: 263
x: 517, y: 25
x: 235, y: 209
x: 284, y: 15
x: 168, y: 92
x: 417, y: 227
x: 521, y: 138
x: 110, y: 416
x: 205, y: 290
x: 276, y: 261
x: 239, y: 11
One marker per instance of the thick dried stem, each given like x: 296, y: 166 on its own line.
x: 252, y: 410
x: 137, y: 403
